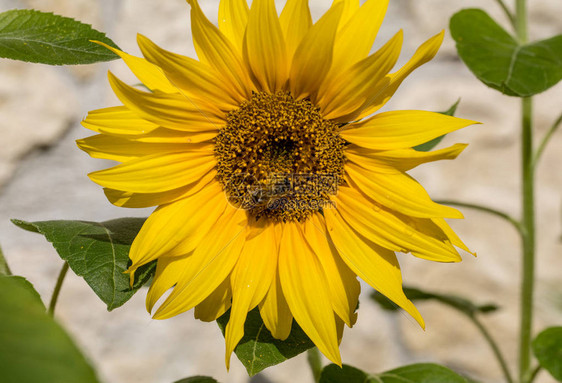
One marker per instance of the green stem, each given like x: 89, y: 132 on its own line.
x: 315, y: 362
x: 495, y: 348
x: 528, y: 202
x: 534, y: 373
x: 508, y: 13
x: 546, y: 140
x: 528, y: 272
x: 521, y: 20
x: 56, y: 291
x: 4, y: 268
x: 488, y: 210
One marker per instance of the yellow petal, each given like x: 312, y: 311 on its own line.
x: 169, y: 225
x: 121, y: 149
x: 344, y: 286
x: 212, y: 262
x: 275, y: 311
x: 157, y: 172
x: 117, y: 120
x: 453, y: 237
x: 357, y: 36
x: 141, y: 200
x: 398, y: 192
x: 233, y: 18
x: 375, y: 265
x: 295, y: 22
x: 349, y: 9
x: 191, y: 76
x: 402, y: 129
x: 250, y: 280
x: 264, y: 47
x: 313, y: 57
x: 168, y: 271
x: 388, y: 229
x: 306, y: 289
x: 388, y: 86
x: 400, y: 159
x: 150, y: 75
x: 163, y: 135
x: 174, y: 111
x: 346, y: 95
x: 215, y: 304
x: 215, y: 49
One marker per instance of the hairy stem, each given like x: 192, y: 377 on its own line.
x: 495, y: 348
x: 56, y: 291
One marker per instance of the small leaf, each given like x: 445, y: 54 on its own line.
x: 433, y: 143
x: 34, y: 347
x: 258, y: 349
x: 499, y: 61
x: 197, y: 379
x: 39, y: 37
x: 547, y: 347
x: 98, y: 252
x: 459, y: 303
x: 415, y: 373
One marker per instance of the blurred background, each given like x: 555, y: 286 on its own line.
x: 43, y: 176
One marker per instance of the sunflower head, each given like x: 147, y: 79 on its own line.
x: 276, y: 182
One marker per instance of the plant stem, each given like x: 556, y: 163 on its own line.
x: 528, y: 272
x: 315, y: 363
x: 534, y: 373
x: 56, y: 291
x: 528, y: 201
x: 546, y: 140
x: 488, y: 210
x: 507, y: 12
x: 495, y: 348
x: 4, y: 268
x: 521, y: 20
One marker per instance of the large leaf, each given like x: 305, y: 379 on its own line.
x: 459, y: 303
x: 197, y: 379
x: 433, y: 143
x: 547, y: 347
x: 34, y: 348
x: 499, y: 61
x: 33, y: 36
x: 415, y: 373
x: 258, y: 349
x: 98, y: 252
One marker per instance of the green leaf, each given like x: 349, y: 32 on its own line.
x: 415, y: 373
x: 499, y: 61
x: 197, y: 379
x: 258, y: 349
x: 433, y: 143
x: 34, y: 347
x: 459, y: 303
x: 98, y: 252
x: 39, y: 37
x: 547, y: 347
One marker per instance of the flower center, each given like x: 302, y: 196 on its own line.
x: 279, y: 158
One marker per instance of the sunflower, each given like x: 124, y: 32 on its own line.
x: 276, y: 182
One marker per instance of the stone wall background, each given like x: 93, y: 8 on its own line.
x: 43, y: 176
